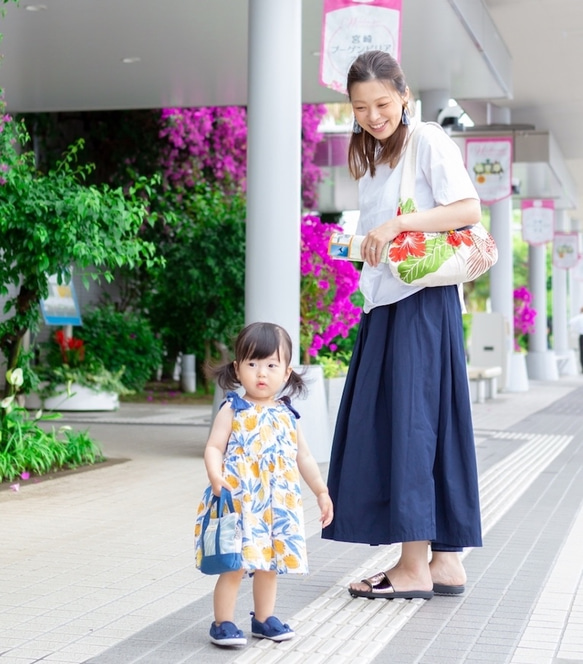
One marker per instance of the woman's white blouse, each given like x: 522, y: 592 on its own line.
x: 441, y: 179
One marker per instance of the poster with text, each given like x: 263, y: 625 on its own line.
x: 538, y: 221
x: 489, y: 163
x: 566, y: 250
x: 351, y: 27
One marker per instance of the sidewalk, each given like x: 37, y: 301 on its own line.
x: 98, y: 566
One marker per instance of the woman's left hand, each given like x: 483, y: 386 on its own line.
x: 375, y: 240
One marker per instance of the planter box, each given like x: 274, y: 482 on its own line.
x: 334, y: 388
x: 82, y: 398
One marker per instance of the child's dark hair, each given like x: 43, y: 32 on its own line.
x: 258, y: 341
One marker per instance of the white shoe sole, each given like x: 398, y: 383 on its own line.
x: 280, y: 637
x: 229, y: 642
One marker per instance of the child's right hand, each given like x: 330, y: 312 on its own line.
x: 219, y: 483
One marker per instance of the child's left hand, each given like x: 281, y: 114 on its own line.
x: 326, y: 508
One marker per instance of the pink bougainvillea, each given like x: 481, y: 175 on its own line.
x: 326, y: 309
x: 211, y: 143
x: 524, y: 316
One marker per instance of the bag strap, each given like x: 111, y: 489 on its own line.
x: 220, y: 501
x: 410, y: 161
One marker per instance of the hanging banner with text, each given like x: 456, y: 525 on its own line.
x: 538, y: 221
x: 566, y: 250
x: 489, y: 163
x: 351, y: 27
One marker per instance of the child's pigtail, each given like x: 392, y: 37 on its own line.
x: 296, y: 385
x: 226, y: 376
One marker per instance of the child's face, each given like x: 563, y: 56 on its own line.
x: 263, y: 379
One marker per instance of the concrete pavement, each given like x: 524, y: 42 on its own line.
x: 98, y: 566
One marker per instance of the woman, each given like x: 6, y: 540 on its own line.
x: 403, y: 466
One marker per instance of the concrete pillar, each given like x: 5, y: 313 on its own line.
x: 540, y: 361
x: 272, y: 271
x: 565, y: 356
x: 514, y: 377
x: 274, y: 122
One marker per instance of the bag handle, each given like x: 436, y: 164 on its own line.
x: 410, y: 161
x: 220, y: 501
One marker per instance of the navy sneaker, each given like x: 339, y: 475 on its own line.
x: 227, y: 634
x: 272, y: 629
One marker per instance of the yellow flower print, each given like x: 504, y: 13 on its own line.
x: 251, y: 552
x: 291, y: 474
x: 291, y: 561
x: 238, y: 450
x: 291, y: 501
x: 293, y: 437
x: 268, y: 517
x: 255, y: 469
x: 232, y: 480
x: 198, y: 557
x: 250, y: 422
x: 237, y: 505
x: 236, y: 426
x: 267, y: 554
x: 279, y: 547
x: 266, y: 433
x: 256, y: 446
x: 197, y: 529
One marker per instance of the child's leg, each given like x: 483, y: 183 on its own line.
x: 264, y: 593
x: 225, y: 596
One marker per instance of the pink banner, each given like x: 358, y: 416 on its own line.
x: 538, y: 221
x: 566, y: 250
x: 351, y: 27
x: 489, y: 162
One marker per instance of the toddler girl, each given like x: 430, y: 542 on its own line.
x: 257, y: 451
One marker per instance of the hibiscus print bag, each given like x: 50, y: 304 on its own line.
x: 436, y: 259
x: 426, y: 259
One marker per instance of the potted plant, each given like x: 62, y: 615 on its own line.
x: 73, y: 379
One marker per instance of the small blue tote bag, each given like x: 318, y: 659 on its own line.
x: 221, y: 537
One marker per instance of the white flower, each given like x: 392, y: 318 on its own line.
x: 5, y: 403
x: 15, y: 377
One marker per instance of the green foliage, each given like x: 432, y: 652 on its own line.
x: 197, y: 300
x: 28, y: 448
x: 123, y: 342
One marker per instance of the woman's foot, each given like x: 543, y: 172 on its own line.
x: 404, y: 580
x: 448, y: 573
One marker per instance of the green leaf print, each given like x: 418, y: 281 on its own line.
x: 437, y: 251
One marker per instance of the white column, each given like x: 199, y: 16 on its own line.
x: 540, y: 361
x: 272, y: 271
x: 514, y: 377
x: 566, y: 358
x: 274, y: 122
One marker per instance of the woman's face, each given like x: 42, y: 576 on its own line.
x: 377, y: 107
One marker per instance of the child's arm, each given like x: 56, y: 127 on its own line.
x: 311, y: 473
x: 215, y: 449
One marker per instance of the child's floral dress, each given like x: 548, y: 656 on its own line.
x: 260, y: 464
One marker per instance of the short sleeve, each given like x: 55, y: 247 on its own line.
x: 442, y: 177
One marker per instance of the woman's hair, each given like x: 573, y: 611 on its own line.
x: 256, y: 342
x: 366, y: 151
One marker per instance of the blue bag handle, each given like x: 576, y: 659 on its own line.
x: 224, y: 499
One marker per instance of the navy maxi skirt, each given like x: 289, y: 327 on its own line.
x: 403, y: 463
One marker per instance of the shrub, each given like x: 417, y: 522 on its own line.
x: 122, y: 341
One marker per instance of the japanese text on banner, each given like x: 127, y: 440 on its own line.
x: 351, y: 27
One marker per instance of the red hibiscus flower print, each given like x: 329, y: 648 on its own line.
x: 456, y: 238
x: 406, y: 244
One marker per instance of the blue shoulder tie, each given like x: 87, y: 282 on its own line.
x: 287, y: 401
x: 237, y: 402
